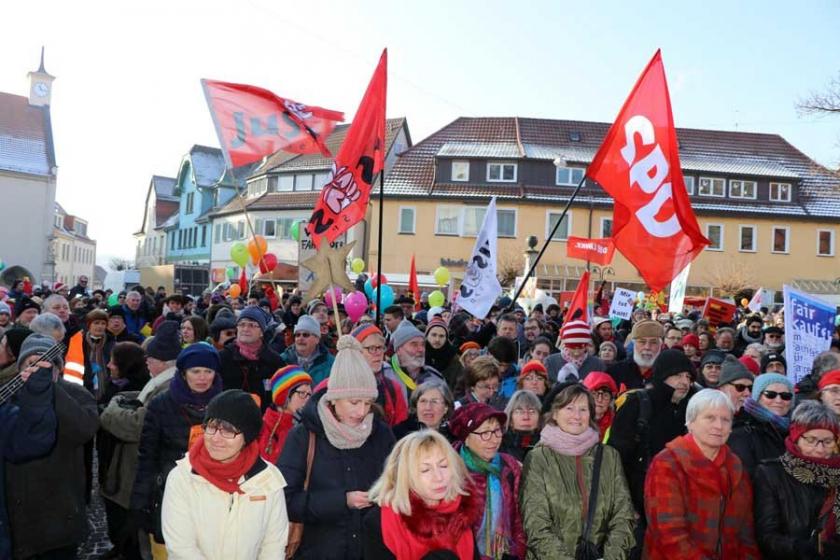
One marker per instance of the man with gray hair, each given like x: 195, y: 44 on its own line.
x: 309, y: 351
x: 635, y: 371
x: 133, y: 314
x: 48, y: 324
x: 408, y: 364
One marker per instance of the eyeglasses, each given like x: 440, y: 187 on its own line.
x: 740, y: 387
x: 833, y: 391
x: 486, y: 387
x: 430, y: 402
x: 302, y: 335
x: 784, y: 395
x: 816, y: 442
x: 712, y: 366
x: 248, y: 324
x: 485, y: 436
x: 525, y: 411
x: 225, y: 429
x: 303, y: 394
x: 374, y: 349
x: 602, y: 395
x: 533, y: 377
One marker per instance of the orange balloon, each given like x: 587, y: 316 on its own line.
x: 235, y: 290
x: 257, y: 247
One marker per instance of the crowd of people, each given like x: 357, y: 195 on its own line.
x: 256, y: 427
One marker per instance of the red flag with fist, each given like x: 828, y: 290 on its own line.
x: 638, y: 164
x: 252, y: 123
x: 344, y: 198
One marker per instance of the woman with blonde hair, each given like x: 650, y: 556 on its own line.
x: 423, y: 506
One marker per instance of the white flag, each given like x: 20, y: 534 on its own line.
x: 480, y: 287
x: 678, y: 285
x: 761, y: 298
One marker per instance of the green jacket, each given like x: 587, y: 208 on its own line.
x: 551, y: 505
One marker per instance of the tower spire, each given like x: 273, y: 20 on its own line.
x: 41, y: 67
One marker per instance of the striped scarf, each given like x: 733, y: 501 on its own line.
x: 491, y: 536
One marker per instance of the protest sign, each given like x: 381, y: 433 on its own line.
x: 622, y: 304
x: 809, y: 323
x: 719, y: 311
x: 678, y: 285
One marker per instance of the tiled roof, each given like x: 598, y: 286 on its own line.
x: 284, y: 161
x: 164, y: 187
x: 25, y: 136
x: 709, y: 151
x: 164, y: 210
x: 271, y: 201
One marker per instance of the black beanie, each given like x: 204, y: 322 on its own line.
x: 166, y: 344
x: 14, y: 339
x: 237, y: 408
x: 671, y: 362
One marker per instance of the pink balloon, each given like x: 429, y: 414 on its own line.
x: 355, y: 303
x: 328, y: 295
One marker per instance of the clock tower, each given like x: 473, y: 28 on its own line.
x: 40, y: 85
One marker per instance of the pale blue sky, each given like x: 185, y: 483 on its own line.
x: 127, y: 102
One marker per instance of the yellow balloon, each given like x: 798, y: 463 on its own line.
x: 437, y: 299
x: 441, y: 275
x: 744, y: 302
x: 357, y: 265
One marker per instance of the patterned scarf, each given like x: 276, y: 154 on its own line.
x: 491, y: 536
x: 341, y: 435
x: 764, y: 415
x: 404, y: 377
x: 567, y: 356
x: 250, y: 351
x: 816, y: 472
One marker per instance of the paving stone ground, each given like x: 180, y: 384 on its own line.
x: 97, y: 542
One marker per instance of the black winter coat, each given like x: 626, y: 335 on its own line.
x: 786, y: 514
x: 164, y: 440
x: 667, y: 421
x: 754, y: 440
x: 251, y: 377
x: 332, y: 530
x: 628, y: 373
x: 46, y: 497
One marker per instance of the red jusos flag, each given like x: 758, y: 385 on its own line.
x: 639, y: 165
x: 253, y: 122
x: 578, y: 308
x: 344, y: 198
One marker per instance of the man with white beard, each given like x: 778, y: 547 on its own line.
x: 635, y: 371
x: 408, y: 364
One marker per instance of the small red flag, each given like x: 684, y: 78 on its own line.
x: 252, y: 123
x: 578, y: 309
x: 344, y: 198
x: 599, y: 251
x: 639, y: 165
x: 413, y: 286
x: 243, y: 282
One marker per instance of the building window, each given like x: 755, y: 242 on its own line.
x: 746, y: 236
x: 710, y: 186
x: 460, y: 171
x: 473, y: 219
x: 407, y: 214
x: 321, y: 179
x: 303, y: 182
x: 501, y: 172
x: 240, y: 229
x: 505, y: 222
x: 780, y: 192
x: 58, y: 221
x: 825, y: 243
x: 171, y: 240
x: 190, y: 198
x: 714, y: 233
x: 689, y: 184
x: 217, y: 233
x: 569, y: 176
x: 447, y: 219
x: 285, y: 183
x: 284, y: 226
x: 204, y: 236
x: 781, y: 239
x: 739, y: 188
x: 606, y: 227
x: 563, y: 231
x: 269, y: 229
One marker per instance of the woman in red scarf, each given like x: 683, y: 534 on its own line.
x: 423, y: 506
x: 603, y: 389
x: 223, y: 501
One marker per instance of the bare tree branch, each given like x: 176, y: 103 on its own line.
x: 822, y: 102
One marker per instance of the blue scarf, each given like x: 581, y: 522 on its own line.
x: 491, y: 536
x: 762, y: 414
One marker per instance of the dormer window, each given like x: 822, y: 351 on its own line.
x: 780, y: 192
x: 501, y: 172
x: 711, y: 186
x: 575, y: 136
x: 460, y: 171
x: 742, y: 189
x: 569, y: 176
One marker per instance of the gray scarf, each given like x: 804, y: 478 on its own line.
x: 342, y: 436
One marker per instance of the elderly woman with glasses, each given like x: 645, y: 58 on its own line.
x: 291, y: 388
x: 534, y: 377
x: 522, y: 430
x: 796, y: 500
x: 223, y: 500
x: 392, y: 397
x: 430, y: 407
x: 759, y: 433
x: 482, y: 378
x: 698, y: 497
x: 829, y: 390
x: 603, y: 390
x: 478, y: 429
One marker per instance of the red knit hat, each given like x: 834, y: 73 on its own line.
x: 829, y: 378
x: 750, y: 364
x: 363, y: 331
x: 469, y: 418
x: 470, y: 345
x: 691, y: 340
x: 533, y: 366
x: 575, y: 332
x: 595, y: 380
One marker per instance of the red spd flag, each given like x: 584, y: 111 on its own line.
x: 344, y: 198
x: 252, y: 123
x: 578, y: 308
x: 599, y: 251
x: 413, y: 286
x: 639, y: 165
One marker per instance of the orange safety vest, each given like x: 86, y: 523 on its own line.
x: 74, y: 364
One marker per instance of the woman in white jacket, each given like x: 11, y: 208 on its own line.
x: 223, y: 501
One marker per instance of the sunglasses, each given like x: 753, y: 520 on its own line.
x: 302, y: 335
x: 741, y: 387
x: 784, y: 395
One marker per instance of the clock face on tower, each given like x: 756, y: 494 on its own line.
x: 41, y: 89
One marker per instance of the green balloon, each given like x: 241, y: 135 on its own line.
x: 113, y: 299
x: 296, y: 231
x: 437, y: 299
x: 239, y: 254
x: 231, y: 272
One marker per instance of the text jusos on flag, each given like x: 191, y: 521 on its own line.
x: 252, y: 123
x: 344, y: 199
x: 638, y: 164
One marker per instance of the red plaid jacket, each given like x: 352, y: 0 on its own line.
x: 698, y: 509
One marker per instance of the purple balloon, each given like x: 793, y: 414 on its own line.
x: 355, y: 303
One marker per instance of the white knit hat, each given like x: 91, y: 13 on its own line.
x: 350, y: 376
x: 575, y: 332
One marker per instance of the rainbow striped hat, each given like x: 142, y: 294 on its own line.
x: 284, y: 380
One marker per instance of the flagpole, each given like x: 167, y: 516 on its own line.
x: 379, y: 244
x: 545, y: 244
